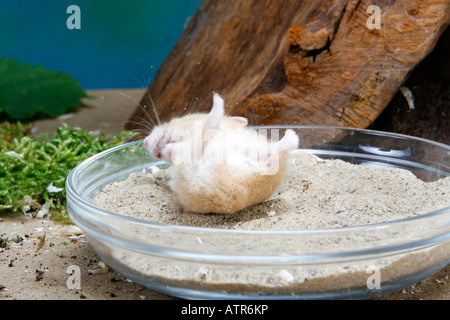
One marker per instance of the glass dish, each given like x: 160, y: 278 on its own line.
x: 186, y: 262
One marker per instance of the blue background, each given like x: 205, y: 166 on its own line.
x: 121, y: 43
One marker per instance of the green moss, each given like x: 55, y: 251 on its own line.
x: 29, y: 165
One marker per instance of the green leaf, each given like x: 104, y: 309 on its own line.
x: 27, y: 90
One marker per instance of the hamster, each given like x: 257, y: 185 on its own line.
x: 219, y: 165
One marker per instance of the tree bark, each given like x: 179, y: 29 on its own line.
x: 295, y: 62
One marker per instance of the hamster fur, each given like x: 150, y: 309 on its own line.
x: 218, y: 164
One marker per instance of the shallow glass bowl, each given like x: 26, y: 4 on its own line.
x: 202, y: 263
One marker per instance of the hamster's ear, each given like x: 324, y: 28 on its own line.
x: 216, y: 113
x: 240, y: 121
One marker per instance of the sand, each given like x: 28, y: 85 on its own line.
x: 315, y: 194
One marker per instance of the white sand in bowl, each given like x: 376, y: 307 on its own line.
x: 315, y: 194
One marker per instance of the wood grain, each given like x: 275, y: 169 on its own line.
x: 295, y: 62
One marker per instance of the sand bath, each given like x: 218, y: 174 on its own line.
x: 315, y: 194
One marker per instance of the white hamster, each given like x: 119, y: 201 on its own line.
x: 218, y: 164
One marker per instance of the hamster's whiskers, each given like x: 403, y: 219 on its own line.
x: 147, y: 123
x: 144, y: 129
x: 187, y: 110
x: 154, y: 108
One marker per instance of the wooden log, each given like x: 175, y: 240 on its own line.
x: 295, y: 62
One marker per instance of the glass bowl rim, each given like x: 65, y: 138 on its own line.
x: 72, y: 192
